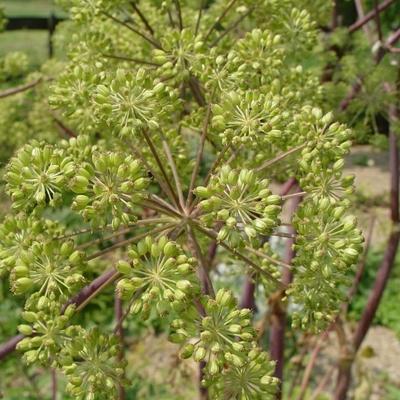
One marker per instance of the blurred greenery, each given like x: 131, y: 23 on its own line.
x: 32, y: 43
x: 388, y: 313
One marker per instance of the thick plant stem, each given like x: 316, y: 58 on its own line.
x: 249, y: 286
x: 382, y: 277
x: 207, y: 288
x: 53, y: 384
x: 9, y: 346
x: 119, y: 331
x: 206, y: 284
x: 248, y: 294
x: 278, y: 309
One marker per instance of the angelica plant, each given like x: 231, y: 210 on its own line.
x: 184, y: 115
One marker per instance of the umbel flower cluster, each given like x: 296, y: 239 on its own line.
x: 183, y: 116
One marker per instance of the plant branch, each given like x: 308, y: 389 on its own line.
x: 378, y: 20
x: 311, y: 363
x: 199, y: 155
x: 160, y: 166
x: 179, y: 12
x: 119, y: 332
x: 220, y: 18
x: 199, y: 15
x: 207, y: 286
x: 216, y: 163
x: 196, y: 90
x: 279, y: 157
x: 134, y: 30
x: 368, y: 17
x: 20, y: 89
x: 213, y: 235
x: 233, y: 26
x: 142, y: 18
x: 361, y: 14
x: 53, y: 384
x: 174, y: 170
x: 130, y: 59
x: 277, y: 304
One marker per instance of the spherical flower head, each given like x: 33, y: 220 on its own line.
x: 324, y: 140
x: 301, y: 29
x: 18, y: 233
x: 328, y: 244
x: 72, y: 94
x: 79, y: 149
x: 225, y: 334
x: 257, y: 58
x: 181, y: 51
x: 254, y: 380
x: 242, y: 203
x: 49, y: 268
x: 14, y: 64
x: 37, y: 176
x: 328, y: 182
x: 249, y: 118
x: 91, y: 364
x: 111, y: 186
x: 46, y: 329
x: 132, y: 102
x: 160, y: 273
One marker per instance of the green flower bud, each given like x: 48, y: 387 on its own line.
x: 25, y: 329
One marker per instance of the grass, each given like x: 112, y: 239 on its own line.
x: 29, y: 8
x: 32, y: 43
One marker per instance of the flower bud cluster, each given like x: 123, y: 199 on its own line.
x: 181, y: 50
x: 161, y: 273
x: 327, y: 183
x: 48, y: 268
x: 257, y: 59
x: 324, y: 140
x: 254, y: 380
x: 37, y: 176
x: 292, y: 21
x: 73, y: 95
x: 248, y: 118
x: 225, y: 334
x: 328, y: 244
x: 91, y: 365
x: 131, y: 102
x: 18, y: 233
x: 13, y: 65
x: 108, y: 185
x: 46, y: 330
x: 242, y: 203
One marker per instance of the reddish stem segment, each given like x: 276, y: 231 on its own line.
x: 119, y: 331
x: 19, y: 89
x: 372, y: 14
x: 278, y: 309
